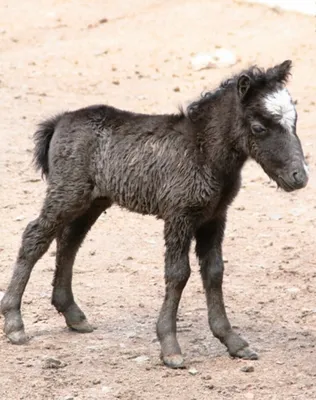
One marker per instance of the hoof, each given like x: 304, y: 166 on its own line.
x: 82, y: 327
x: 17, y: 337
x: 174, y: 361
x: 246, y: 353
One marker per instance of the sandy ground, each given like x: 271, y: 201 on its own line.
x: 57, y: 55
x: 303, y: 6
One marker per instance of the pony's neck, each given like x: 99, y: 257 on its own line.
x: 219, y: 133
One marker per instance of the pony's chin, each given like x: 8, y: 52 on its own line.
x: 288, y: 186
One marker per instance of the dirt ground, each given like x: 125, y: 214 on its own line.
x: 57, y: 55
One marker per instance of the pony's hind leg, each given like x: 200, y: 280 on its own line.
x: 60, y: 207
x: 69, y: 240
x: 36, y: 239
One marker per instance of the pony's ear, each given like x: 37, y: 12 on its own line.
x: 281, y: 72
x: 243, y: 85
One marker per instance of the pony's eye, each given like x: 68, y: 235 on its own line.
x: 258, y: 129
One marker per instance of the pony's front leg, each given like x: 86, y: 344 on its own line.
x: 209, y: 251
x: 177, y: 272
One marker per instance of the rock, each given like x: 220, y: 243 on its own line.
x: 293, y: 290
x: 247, y: 368
x: 296, y: 212
x: 193, y: 371
x: 276, y: 217
x: 1, y: 295
x: 207, y: 377
x: 141, y: 97
x: 150, y: 241
x: 33, y: 180
x: 19, y: 218
x: 219, y: 59
x: 287, y: 248
x: 210, y: 387
x: 176, y: 89
x: 52, y: 363
x: 106, y: 389
x: 51, y: 14
x: 141, y: 359
x: 96, y: 381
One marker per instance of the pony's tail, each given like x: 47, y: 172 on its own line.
x: 42, y: 138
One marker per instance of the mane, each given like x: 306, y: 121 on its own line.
x: 259, y: 78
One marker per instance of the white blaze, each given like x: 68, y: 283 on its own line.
x: 280, y: 104
x: 306, y: 169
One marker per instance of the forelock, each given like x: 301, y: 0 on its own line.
x: 279, y: 103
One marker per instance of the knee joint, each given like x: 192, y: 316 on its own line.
x: 178, y: 276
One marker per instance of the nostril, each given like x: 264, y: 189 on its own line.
x: 299, y: 177
x: 296, y: 176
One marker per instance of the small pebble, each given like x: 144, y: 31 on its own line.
x: 276, y: 217
x: 193, y: 371
x: 106, y: 389
x: 247, y: 368
x: 293, y: 290
x: 219, y: 59
x: 52, y: 363
x: 141, y: 359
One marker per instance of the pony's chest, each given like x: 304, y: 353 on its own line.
x: 229, y: 191
x: 220, y: 198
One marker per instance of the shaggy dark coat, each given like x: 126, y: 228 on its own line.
x: 183, y: 168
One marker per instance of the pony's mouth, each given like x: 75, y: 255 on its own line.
x: 286, y: 186
x: 289, y: 185
x: 291, y: 180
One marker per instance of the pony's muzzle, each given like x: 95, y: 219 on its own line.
x: 296, y: 178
